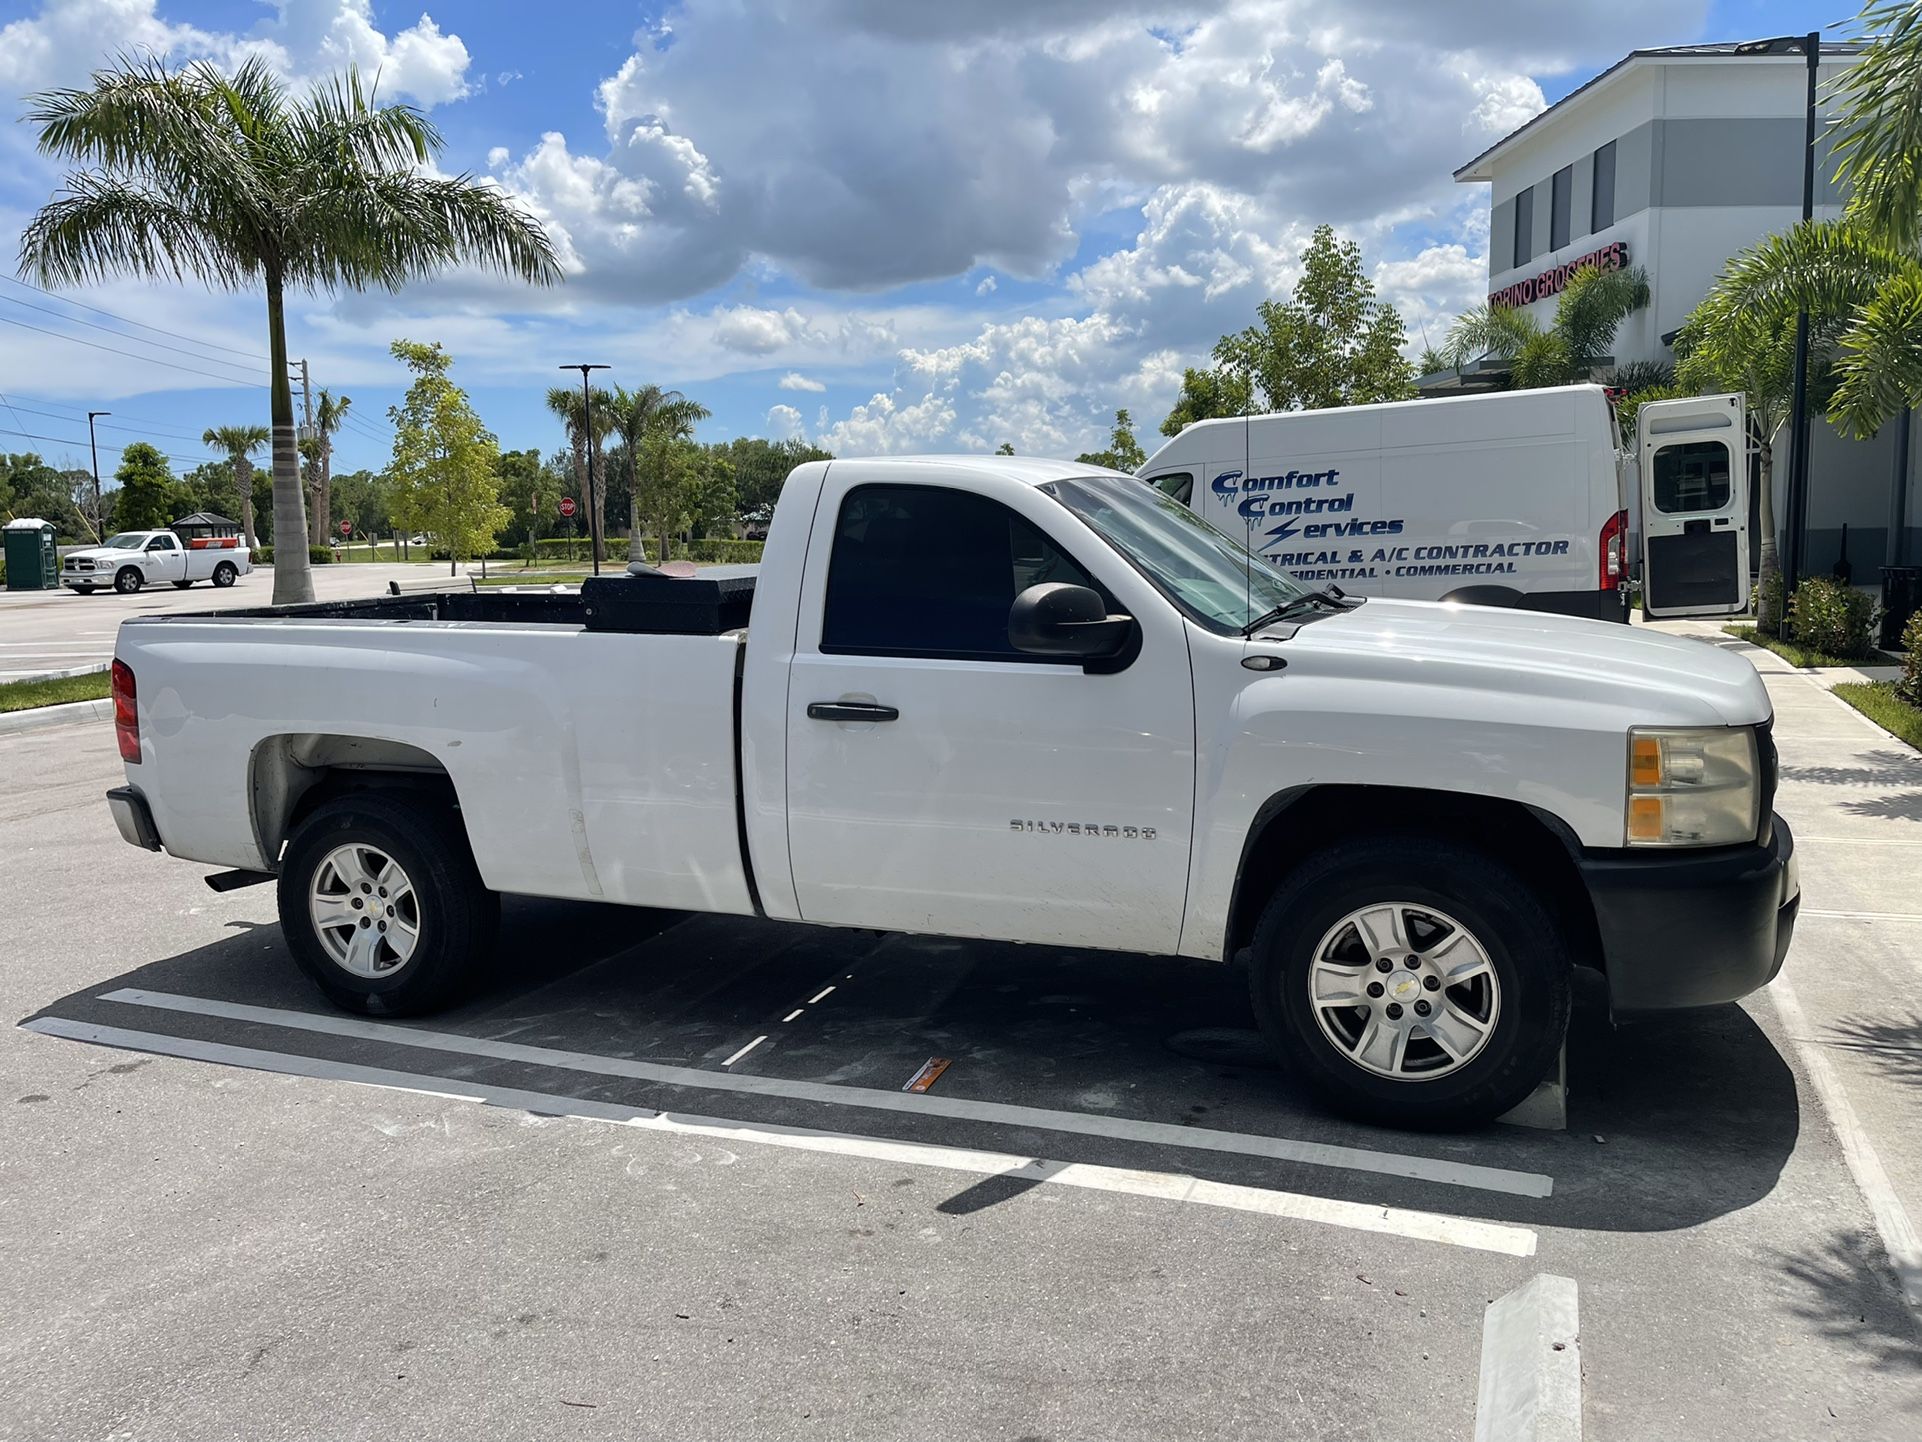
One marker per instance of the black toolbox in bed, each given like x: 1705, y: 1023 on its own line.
x: 653, y: 604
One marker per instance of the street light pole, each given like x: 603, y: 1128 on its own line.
x: 99, y: 512
x: 587, y: 452
x: 1798, y: 491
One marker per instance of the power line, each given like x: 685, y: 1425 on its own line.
x: 122, y: 335
x: 67, y: 441
x: 151, y: 360
x: 138, y: 430
x: 158, y: 330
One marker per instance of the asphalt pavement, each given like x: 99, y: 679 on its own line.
x: 660, y: 1179
x: 50, y: 631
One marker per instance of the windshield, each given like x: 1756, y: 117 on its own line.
x: 1210, y: 577
x: 126, y: 541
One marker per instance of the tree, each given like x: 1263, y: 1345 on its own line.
x: 1124, y: 452
x: 1878, y: 143
x: 240, y: 443
x: 1592, y: 307
x: 443, y: 477
x: 637, y: 416
x: 230, y: 179
x: 360, y: 499
x: 148, y: 498
x: 590, y: 466
x: 1006, y: 448
x: 327, y: 419
x: 1208, y: 394
x: 1333, y: 344
x: 761, y: 468
x: 31, y: 487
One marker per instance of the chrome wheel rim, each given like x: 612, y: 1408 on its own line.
x: 1404, y: 991
x: 364, y: 910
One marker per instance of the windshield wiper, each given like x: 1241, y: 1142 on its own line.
x: 1330, y: 600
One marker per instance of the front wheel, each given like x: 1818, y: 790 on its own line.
x: 83, y: 590
x: 1411, y: 982
x: 225, y: 574
x: 128, y: 580
x: 382, y: 906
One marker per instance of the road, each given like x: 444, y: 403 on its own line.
x: 660, y: 1180
x: 42, y: 631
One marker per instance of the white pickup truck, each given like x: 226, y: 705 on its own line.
x: 1006, y: 698
x: 135, y: 559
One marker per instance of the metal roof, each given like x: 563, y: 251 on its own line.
x: 1776, y: 49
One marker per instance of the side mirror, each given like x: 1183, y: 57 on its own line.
x: 1056, y: 619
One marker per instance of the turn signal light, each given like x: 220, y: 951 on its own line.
x: 126, y: 714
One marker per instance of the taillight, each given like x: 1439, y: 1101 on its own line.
x: 126, y: 716
x: 1614, y: 551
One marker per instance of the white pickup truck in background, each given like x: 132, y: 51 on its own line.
x: 1005, y: 698
x: 133, y: 560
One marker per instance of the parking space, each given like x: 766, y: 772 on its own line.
x: 667, y: 1166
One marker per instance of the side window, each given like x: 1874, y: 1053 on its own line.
x: 161, y: 543
x: 1560, y: 196
x: 1691, y: 477
x: 925, y: 571
x: 1179, y: 484
x: 1525, y: 226
x: 1602, y: 202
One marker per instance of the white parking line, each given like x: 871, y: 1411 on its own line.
x: 1166, y: 1186
x: 745, y: 1050
x: 1282, y: 1149
x: 1860, y: 915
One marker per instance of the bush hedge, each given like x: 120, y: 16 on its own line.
x: 320, y: 555
x: 1827, y: 616
x: 1909, y: 686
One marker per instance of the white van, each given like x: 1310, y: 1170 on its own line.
x: 1514, y: 498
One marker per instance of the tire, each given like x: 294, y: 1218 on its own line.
x: 225, y: 575
x: 128, y: 580
x: 1502, y: 1025
x: 182, y: 585
x: 83, y: 590
x: 454, y: 916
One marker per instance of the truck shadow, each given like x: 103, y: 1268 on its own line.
x: 1671, y: 1123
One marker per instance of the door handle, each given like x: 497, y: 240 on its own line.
x: 850, y: 711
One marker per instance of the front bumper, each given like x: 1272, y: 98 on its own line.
x: 86, y: 578
x: 132, y: 815
x: 1681, y: 930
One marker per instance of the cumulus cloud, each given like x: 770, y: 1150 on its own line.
x: 986, y: 287
x: 795, y: 381
x: 785, y: 423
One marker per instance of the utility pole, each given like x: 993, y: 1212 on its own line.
x: 587, y: 450
x: 99, y: 508
x: 1798, y: 492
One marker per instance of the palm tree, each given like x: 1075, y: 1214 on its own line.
x: 327, y: 418
x: 229, y: 179
x: 638, y: 416
x: 240, y: 443
x: 1592, y: 307
x: 590, y: 466
x: 1878, y: 144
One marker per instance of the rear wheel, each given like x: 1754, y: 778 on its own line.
x: 225, y: 574
x: 382, y: 906
x: 1411, y: 982
x: 127, y: 580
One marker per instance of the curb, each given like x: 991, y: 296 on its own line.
x: 89, y: 670
x: 45, y: 718
x: 1531, y: 1377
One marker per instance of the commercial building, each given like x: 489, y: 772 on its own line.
x: 1675, y: 160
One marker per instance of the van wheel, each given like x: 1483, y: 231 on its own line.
x: 382, y: 906
x: 225, y: 574
x: 182, y: 585
x: 1410, y: 982
x: 127, y: 580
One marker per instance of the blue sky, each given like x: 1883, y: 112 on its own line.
x: 888, y: 225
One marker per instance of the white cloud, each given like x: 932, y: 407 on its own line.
x: 754, y: 331
x: 986, y: 287
x: 784, y: 423
x: 795, y: 381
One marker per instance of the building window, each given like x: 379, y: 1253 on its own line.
x: 1602, y: 210
x: 1558, y: 203
x: 1525, y: 226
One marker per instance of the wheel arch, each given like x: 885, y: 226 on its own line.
x: 290, y: 776
x: 1293, y: 824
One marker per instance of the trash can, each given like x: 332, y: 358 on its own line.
x: 33, y: 561
x: 1901, y: 599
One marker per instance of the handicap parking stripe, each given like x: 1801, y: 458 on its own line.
x: 1320, y: 1154
x: 1167, y: 1186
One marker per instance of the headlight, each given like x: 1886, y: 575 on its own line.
x: 1694, y: 787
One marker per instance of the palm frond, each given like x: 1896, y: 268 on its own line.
x: 1592, y: 306
x: 237, y: 441
x: 1824, y: 267
x: 1489, y: 330
x: 1879, y: 146
x: 105, y: 226
x: 1880, y: 367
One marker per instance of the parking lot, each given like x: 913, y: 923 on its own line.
x: 662, y: 1176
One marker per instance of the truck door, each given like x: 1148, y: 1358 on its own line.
x: 938, y: 780
x: 1692, y: 458
x: 166, y: 561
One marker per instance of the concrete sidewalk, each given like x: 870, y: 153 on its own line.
x: 1853, y: 999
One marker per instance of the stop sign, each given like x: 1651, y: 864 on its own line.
x: 347, y: 528
x: 567, y: 505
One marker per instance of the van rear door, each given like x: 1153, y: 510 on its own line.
x: 1692, y: 459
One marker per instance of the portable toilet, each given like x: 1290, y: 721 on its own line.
x: 33, y: 559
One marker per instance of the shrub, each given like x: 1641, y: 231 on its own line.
x: 1830, y: 617
x: 1909, y: 687
x: 320, y: 555
x: 263, y: 555
x: 722, y: 549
